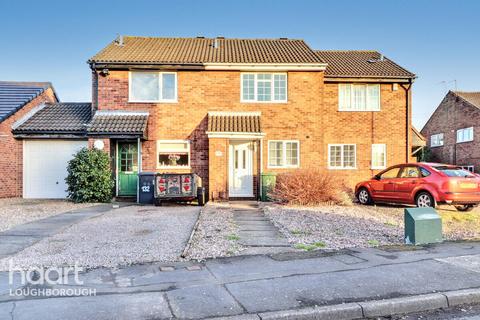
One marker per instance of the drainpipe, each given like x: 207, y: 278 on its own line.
x: 407, y: 113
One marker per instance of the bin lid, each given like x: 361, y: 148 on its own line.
x: 146, y: 173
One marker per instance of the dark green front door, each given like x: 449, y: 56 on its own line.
x: 127, y: 162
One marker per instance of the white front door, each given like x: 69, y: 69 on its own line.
x: 241, y: 169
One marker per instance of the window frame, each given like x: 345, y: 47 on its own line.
x: 384, y: 156
x: 160, y: 87
x: 367, y: 108
x: 255, y: 87
x: 189, y: 146
x: 435, y: 135
x: 284, y: 154
x: 342, y: 156
x: 462, y: 130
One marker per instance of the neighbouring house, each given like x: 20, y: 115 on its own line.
x: 232, y: 109
x: 17, y: 100
x: 453, y: 130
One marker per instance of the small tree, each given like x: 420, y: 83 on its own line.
x: 425, y: 155
x: 90, y: 177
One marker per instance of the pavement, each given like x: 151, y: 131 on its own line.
x: 22, y: 236
x: 346, y: 284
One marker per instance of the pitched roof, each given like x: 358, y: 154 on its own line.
x: 58, y: 118
x: 238, y: 122
x: 418, y: 140
x: 14, y: 95
x: 201, y: 50
x: 361, y: 64
x: 471, y: 97
x: 122, y: 123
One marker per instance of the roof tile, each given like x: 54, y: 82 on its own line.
x: 234, y: 122
x: 203, y: 50
x: 471, y: 97
x: 365, y: 64
x: 118, y: 123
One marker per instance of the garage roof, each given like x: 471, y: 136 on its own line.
x: 58, y: 118
x: 14, y: 95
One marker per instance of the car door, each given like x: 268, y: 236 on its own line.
x: 383, y: 187
x: 410, y: 176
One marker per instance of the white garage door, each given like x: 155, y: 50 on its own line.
x: 45, y: 167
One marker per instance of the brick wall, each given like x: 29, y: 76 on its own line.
x: 452, y: 114
x: 311, y: 116
x: 11, y: 150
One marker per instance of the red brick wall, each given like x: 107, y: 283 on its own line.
x: 311, y: 116
x: 387, y: 126
x: 452, y: 114
x: 11, y: 150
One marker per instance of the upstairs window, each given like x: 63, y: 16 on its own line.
x: 359, y: 97
x: 465, y: 135
x: 173, y: 154
x: 264, y: 87
x: 153, y: 87
x: 436, y: 140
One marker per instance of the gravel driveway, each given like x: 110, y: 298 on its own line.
x: 124, y: 236
x: 15, y: 211
x: 336, y: 227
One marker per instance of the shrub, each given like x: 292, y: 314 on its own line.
x: 90, y: 177
x: 309, y: 187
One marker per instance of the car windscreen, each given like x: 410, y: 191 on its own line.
x: 454, y: 171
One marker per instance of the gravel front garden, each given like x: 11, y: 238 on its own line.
x: 337, y: 227
x: 15, y: 211
x: 216, y: 233
x: 124, y: 236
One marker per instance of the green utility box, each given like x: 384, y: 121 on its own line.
x: 268, y: 183
x: 422, y: 226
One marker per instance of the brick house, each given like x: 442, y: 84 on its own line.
x: 231, y: 109
x: 452, y: 130
x: 17, y: 99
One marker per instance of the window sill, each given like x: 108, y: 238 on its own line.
x: 378, y: 168
x: 264, y: 102
x: 174, y: 167
x: 464, y: 141
x: 436, y: 146
x: 153, y: 101
x: 282, y: 167
x: 358, y: 110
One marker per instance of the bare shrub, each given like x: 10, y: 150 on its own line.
x: 309, y: 187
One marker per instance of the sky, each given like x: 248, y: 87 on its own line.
x: 437, y: 40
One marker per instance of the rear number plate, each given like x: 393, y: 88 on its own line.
x: 468, y: 185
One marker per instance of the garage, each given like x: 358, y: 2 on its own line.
x: 45, y: 166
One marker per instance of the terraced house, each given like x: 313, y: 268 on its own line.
x: 230, y: 109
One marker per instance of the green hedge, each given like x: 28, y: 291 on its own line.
x: 90, y: 177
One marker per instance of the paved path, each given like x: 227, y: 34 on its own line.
x: 253, y: 285
x: 257, y: 233
x: 19, y: 237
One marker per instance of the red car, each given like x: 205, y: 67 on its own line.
x: 422, y: 184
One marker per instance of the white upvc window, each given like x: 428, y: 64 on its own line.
x: 173, y: 154
x: 358, y: 97
x: 465, y: 135
x: 342, y: 156
x: 283, y: 154
x: 151, y: 87
x: 379, y: 156
x: 263, y: 87
x: 436, y: 140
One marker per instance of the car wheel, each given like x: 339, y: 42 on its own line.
x: 465, y: 207
x: 425, y: 200
x: 363, y: 196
